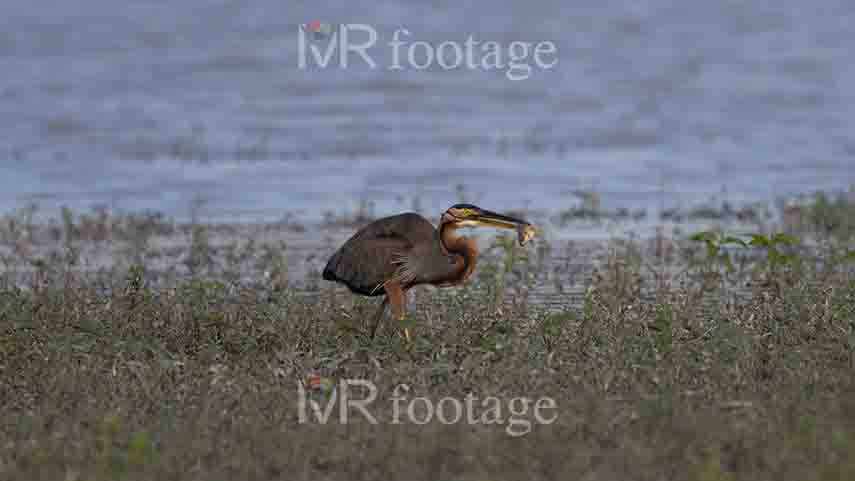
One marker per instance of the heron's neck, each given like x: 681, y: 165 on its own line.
x: 464, y: 247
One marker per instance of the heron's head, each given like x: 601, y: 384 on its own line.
x: 468, y: 215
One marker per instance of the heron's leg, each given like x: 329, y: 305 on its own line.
x: 398, y: 300
x: 379, y: 316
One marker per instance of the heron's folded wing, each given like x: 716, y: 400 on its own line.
x: 365, y: 264
x: 411, y: 227
x: 368, y: 259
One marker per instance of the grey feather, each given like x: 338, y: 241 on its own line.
x: 405, y: 246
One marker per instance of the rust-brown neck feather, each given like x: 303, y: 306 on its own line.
x: 464, y: 250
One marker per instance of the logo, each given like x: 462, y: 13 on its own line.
x: 326, y: 44
x: 325, y: 400
x: 318, y: 30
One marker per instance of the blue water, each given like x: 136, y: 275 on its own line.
x: 176, y: 106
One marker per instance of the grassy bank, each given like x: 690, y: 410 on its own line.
x: 705, y: 359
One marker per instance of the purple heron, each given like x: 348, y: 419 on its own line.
x: 393, y: 254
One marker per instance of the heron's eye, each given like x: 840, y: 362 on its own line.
x: 466, y: 213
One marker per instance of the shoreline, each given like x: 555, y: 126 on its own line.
x: 572, y: 248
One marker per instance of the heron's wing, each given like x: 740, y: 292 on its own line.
x: 368, y: 259
x: 410, y: 226
x: 365, y: 264
x: 422, y: 260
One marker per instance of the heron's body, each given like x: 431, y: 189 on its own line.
x: 391, y: 244
x: 393, y: 254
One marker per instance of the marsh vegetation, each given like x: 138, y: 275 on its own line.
x: 713, y: 356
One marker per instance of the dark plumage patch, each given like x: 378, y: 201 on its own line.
x: 368, y: 258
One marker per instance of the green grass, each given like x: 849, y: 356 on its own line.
x: 657, y: 374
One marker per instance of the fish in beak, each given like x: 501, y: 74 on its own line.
x: 525, y: 233
x: 525, y: 230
